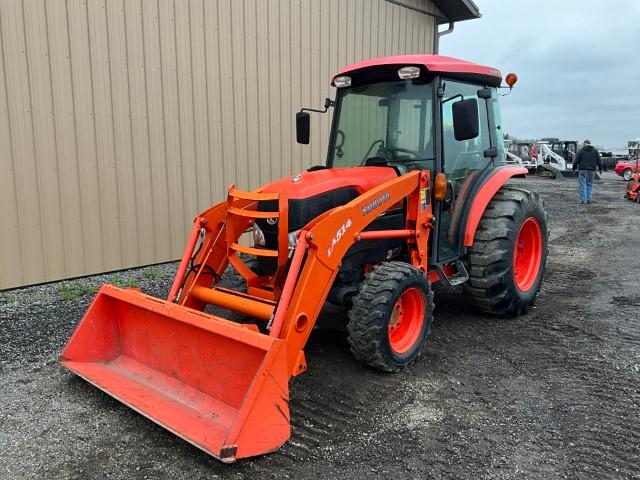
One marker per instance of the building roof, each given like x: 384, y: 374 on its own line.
x: 432, y: 63
x: 457, y: 10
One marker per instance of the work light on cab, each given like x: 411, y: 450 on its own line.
x: 407, y: 73
x: 341, y: 82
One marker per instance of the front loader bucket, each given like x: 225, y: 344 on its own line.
x: 214, y: 383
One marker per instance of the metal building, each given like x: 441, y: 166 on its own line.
x: 121, y: 119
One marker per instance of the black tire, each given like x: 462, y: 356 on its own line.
x: 372, y: 310
x: 492, y: 284
x: 233, y: 280
x: 626, y: 174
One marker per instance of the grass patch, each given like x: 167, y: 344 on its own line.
x: 75, y: 289
x: 9, y: 297
x: 122, y: 282
x: 153, y: 273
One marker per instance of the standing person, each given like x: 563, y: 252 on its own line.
x: 587, y: 162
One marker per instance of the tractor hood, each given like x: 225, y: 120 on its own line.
x: 310, y: 184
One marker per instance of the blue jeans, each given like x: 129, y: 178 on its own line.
x: 585, y: 180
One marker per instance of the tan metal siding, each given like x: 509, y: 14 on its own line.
x: 121, y: 119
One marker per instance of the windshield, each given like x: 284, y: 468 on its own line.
x: 391, y: 121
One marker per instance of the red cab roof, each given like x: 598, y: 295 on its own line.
x: 432, y: 63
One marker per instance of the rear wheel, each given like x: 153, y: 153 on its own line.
x: 391, y: 315
x: 509, y: 253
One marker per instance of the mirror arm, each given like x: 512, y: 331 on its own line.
x: 502, y: 87
x: 327, y: 103
x: 303, y: 123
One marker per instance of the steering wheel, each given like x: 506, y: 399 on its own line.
x: 366, y: 155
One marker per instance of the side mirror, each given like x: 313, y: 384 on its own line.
x: 465, y: 119
x: 303, y: 125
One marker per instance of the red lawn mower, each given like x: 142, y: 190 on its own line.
x: 633, y: 188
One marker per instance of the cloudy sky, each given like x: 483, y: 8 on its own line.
x: 578, y: 65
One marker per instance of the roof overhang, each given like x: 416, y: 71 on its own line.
x: 435, y: 64
x: 457, y: 10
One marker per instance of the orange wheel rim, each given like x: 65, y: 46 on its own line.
x: 527, y: 254
x: 407, y: 320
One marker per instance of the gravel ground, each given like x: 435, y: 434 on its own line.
x: 552, y: 394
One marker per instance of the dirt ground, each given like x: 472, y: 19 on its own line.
x: 552, y: 394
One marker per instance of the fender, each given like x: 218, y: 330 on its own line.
x: 485, y: 194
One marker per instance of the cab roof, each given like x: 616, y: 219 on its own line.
x: 437, y: 64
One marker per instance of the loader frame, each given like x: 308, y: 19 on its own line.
x: 291, y: 308
x: 223, y: 385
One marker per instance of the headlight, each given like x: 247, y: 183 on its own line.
x: 258, y: 236
x: 342, y: 81
x: 407, y: 73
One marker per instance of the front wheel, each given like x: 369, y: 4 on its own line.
x: 508, y: 257
x: 390, y: 317
x: 627, y: 174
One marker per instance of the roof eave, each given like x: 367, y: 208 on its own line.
x: 457, y: 11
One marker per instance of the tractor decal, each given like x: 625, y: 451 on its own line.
x: 336, y: 238
x: 375, y: 203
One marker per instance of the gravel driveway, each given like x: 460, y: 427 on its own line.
x: 552, y: 394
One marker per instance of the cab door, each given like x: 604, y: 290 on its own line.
x: 463, y: 162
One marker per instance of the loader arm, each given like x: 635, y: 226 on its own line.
x: 329, y: 239
x: 292, y: 310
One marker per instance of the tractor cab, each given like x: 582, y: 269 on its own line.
x: 421, y: 112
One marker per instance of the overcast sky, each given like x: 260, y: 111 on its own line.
x: 578, y: 65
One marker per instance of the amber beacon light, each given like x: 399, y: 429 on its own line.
x: 511, y: 79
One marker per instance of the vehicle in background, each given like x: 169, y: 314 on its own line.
x: 511, y: 158
x: 550, y: 163
x: 522, y: 150
x: 633, y: 188
x: 617, y: 155
x: 566, y: 149
x: 609, y: 160
x: 626, y: 169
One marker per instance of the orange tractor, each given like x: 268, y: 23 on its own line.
x: 413, y: 193
x: 633, y: 184
x: 633, y: 188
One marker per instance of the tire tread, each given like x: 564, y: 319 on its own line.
x: 489, y: 258
x: 368, y: 315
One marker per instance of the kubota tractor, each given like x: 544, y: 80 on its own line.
x: 414, y: 192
